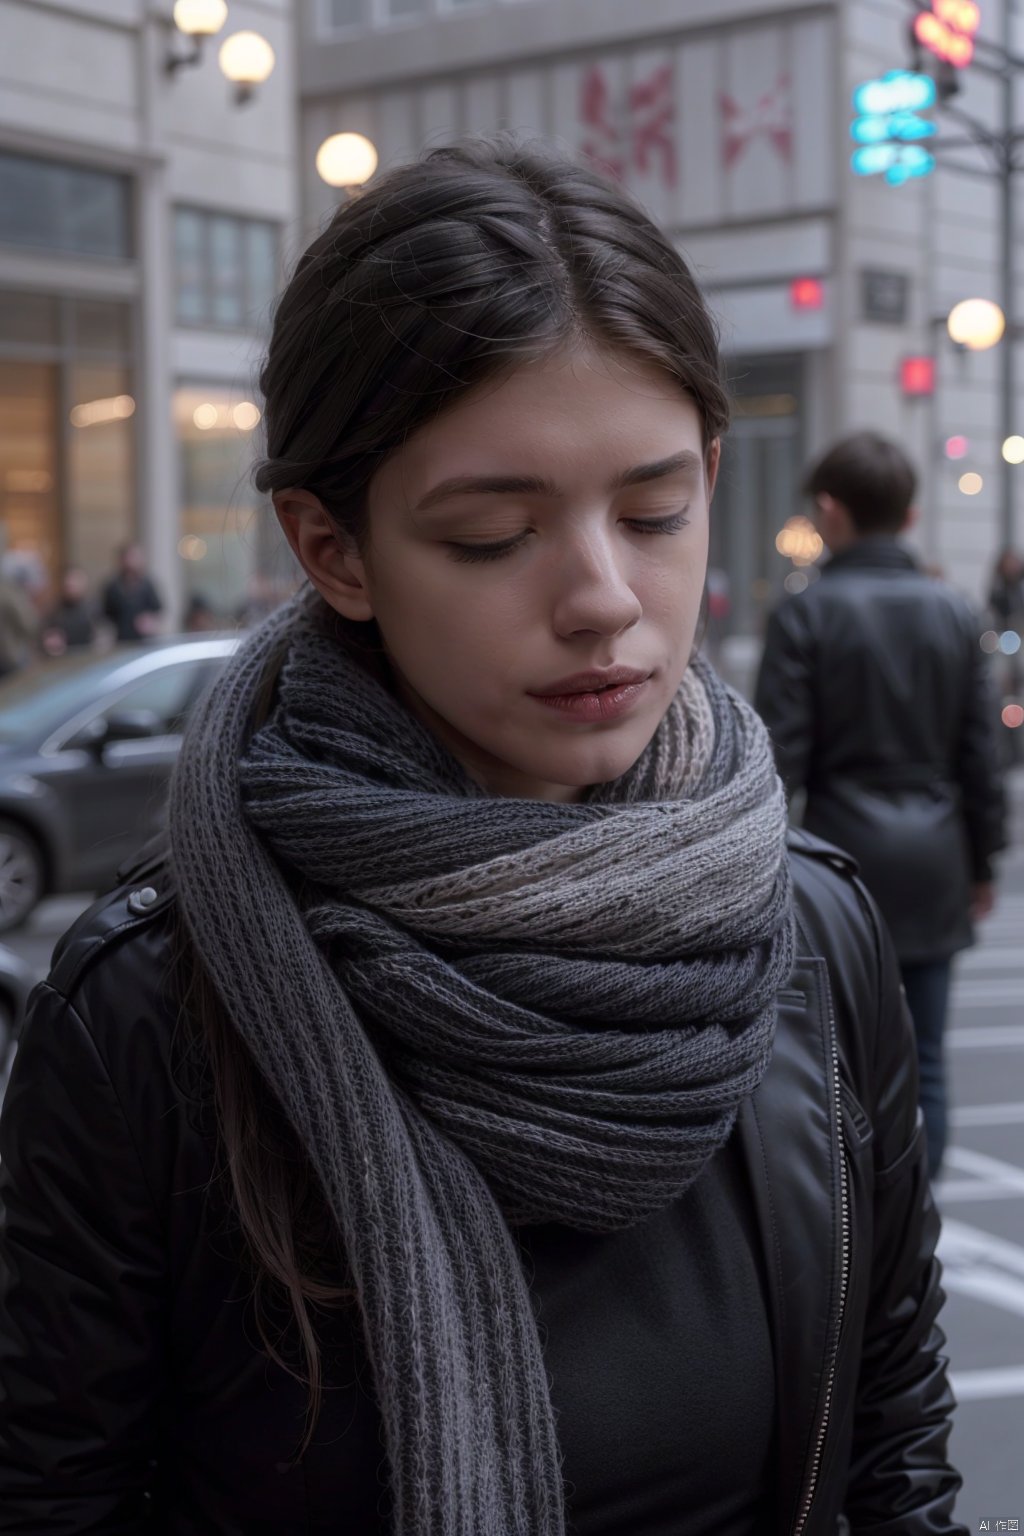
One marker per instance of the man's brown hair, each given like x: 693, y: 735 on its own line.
x: 871, y: 477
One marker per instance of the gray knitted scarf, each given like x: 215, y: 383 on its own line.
x: 477, y: 1012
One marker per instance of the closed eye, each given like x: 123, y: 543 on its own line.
x: 469, y: 552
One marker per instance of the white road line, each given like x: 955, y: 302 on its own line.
x: 992, y: 1178
x: 988, y: 986
x: 1010, y: 999
x: 991, y: 1270
x: 978, y: 1386
x: 971, y: 1191
x: 987, y: 1114
x: 996, y: 1037
x: 1008, y: 956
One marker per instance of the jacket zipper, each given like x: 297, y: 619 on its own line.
x: 819, y: 1446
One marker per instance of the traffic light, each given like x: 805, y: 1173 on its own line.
x: 946, y: 30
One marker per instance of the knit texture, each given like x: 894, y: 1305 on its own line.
x: 477, y: 1012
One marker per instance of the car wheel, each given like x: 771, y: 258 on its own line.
x: 22, y: 875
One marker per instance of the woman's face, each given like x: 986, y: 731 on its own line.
x: 550, y: 524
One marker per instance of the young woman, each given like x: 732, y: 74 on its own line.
x: 479, y: 1122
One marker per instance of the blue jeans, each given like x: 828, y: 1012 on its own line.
x: 927, y: 988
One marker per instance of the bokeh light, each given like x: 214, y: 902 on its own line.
x: 245, y: 415
x: 1013, y: 449
x: 1013, y: 716
x: 990, y: 642
x: 205, y: 416
x: 957, y: 446
x: 799, y: 541
x: 1009, y: 642
x: 976, y: 323
x: 971, y: 483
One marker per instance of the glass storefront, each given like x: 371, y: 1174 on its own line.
x: 757, y: 495
x: 67, y: 438
x: 236, y: 561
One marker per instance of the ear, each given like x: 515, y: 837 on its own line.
x: 912, y: 518
x: 713, y: 460
x: 330, y: 560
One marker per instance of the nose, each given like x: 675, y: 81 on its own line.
x: 592, y: 590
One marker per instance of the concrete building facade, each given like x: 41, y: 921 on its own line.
x: 730, y: 120
x: 146, y: 220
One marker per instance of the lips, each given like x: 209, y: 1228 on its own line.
x: 594, y: 681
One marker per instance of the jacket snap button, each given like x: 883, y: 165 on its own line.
x: 138, y: 901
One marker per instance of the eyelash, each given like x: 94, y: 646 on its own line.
x: 472, y: 552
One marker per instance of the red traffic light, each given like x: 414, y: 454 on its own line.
x: 807, y: 293
x: 917, y: 375
x: 948, y: 30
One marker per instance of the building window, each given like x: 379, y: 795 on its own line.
x: 344, y: 15
x: 225, y: 269
x: 341, y: 16
x: 67, y: 434
x: 234, y: 555
x: 73, y: 209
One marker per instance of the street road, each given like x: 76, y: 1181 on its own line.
x: 981, y: 1194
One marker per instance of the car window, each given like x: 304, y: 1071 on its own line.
x: 40, y: 697
x: 166, y: 692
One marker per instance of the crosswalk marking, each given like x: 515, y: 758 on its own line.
x: 996, y: 1037
x: 987, y: 1114
x: 980, y: 1386
x: 992, y: 1179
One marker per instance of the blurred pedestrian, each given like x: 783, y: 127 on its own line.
x: 454, y: 1034
x: 19, y: 620
x: 130, y: 600
x: 1006, y: 605
x: 71, y: 623
x: 1006, y: 591
x: 200, y: 616
x: 261, y: 598
x: 876, y: 693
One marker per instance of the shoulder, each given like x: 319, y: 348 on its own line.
x: 837, y: 919
x: 123, y: 933
x: 116, y: 970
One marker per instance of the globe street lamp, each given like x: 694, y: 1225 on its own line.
x: 198, y: 20
x: 247, y: 60
x: 976, y: 324
x: 346, y: 160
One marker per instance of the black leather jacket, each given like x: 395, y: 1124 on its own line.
x: 877, y: 696
x: 135, y: 1397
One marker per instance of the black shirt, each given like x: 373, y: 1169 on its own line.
x: 658, y: 1349
x: 658, y: 1346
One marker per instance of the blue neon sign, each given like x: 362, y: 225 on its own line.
x: 901, y: 90
x: 896, y: 162
x: 905, y: 127
x: 887, y: 128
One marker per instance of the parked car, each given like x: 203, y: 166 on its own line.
x: 16, y: 982
x: 86, y: 749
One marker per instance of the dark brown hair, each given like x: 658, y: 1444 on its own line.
x: 872, y: 478
x: 441, y: 275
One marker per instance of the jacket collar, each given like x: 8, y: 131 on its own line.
x: 880, y: 552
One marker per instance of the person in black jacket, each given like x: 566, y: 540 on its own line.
x: 480, y: 1116
x: 875, y: 691
x: 131, y: 602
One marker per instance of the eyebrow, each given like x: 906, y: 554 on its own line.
x: 531, y: 485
